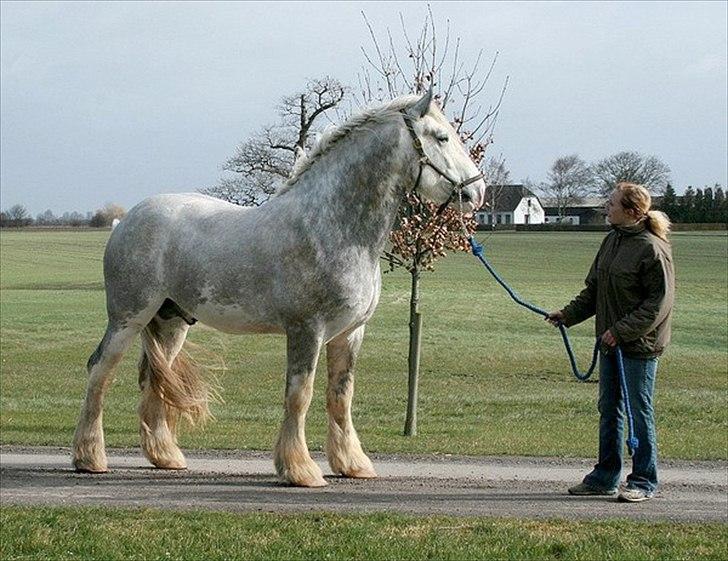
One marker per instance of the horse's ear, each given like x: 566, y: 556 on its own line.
x: 420, y: 108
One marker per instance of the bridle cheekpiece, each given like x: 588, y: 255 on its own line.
x: 424, y: 160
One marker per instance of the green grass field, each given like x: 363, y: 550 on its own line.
x: 494, y: 380
x: 63, y: 533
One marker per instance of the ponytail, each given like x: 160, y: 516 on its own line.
x: 658, y: 223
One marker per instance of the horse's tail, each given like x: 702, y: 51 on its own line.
x: 182, y: 385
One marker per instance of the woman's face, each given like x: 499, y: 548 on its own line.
x: 616, y: 214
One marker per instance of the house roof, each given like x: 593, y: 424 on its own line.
x: 507, y: 197
x: 584, y: 202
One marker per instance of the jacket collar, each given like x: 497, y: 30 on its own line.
x: 631, y: 229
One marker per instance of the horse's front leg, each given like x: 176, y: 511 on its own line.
x: 343, y: 447
x: 292, y: 459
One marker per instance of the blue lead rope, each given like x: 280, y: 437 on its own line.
x: 632, y: 442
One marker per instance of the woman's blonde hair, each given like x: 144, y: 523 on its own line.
x: 637, y: 198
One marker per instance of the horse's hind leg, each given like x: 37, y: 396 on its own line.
x: 88, y: 443
x: 343, y: 447
x: 157, y: 419
x: 292, y: 459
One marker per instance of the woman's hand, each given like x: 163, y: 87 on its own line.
x: 608, y: 339
x: 555, y: 318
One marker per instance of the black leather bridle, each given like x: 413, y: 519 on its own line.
x: 458, y: 186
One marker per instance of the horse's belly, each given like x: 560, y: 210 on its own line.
x: 233, y: 320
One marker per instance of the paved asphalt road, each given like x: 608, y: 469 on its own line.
x: 245, y: 482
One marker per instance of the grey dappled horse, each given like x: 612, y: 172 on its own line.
x: 305, y: 264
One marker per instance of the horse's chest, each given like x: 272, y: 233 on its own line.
x: 350, y: 295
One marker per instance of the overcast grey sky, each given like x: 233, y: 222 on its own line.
x: 113, y: 102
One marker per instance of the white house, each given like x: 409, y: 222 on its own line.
x: 510, y: 204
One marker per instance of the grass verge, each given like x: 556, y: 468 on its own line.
x: 93, y: 533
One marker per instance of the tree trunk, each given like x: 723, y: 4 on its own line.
x: 415, y: 330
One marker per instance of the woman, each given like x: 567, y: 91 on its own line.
x: 630, y: 288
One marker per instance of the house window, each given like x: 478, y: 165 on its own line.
x: 508, y: 218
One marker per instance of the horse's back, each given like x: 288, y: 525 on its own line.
x: 155, y: 218
x: 172, y: 207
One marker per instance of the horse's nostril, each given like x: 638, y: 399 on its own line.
x: 466, y: 197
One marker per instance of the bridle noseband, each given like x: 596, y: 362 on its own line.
x: 458, y: 186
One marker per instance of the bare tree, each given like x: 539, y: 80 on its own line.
x: 413, y: 64
x: 497, y: 176
x: 265, y: 160
x: 570, y: 179
x: 496, y: 172
x: 17, y: 216
x: 74, y: 219
x: 299, y: 112
x: 46, y: 218
x: 633, y: 167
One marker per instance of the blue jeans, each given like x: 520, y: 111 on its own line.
x: 640, y: 377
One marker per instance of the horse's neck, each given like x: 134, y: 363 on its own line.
x: 357, y: 196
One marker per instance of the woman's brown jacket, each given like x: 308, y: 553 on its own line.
x: 631, y: 288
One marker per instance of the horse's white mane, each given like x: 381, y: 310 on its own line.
x: 375, y: 114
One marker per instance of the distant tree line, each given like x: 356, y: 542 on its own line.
x: 17, y: 216
x: 695, y: 205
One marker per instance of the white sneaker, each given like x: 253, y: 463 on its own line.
x: 634, y: 495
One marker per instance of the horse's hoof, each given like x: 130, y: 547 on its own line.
x: 173, y: 466
x: 305, y: 480
x: 355, y: 466
x: 312, y: 483
x: 364, y: 473
x: 163, y: 456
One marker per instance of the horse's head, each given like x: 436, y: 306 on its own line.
x: 447, y: 174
